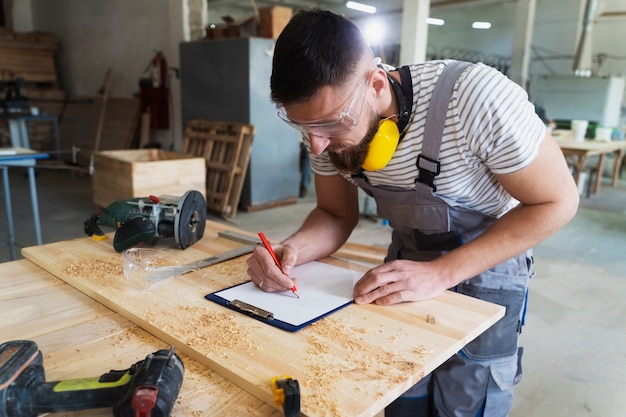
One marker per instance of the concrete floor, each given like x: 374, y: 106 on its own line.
x: 575, y: 333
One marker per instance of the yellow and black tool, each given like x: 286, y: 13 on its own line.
x: 287, y: 393
x: 148, y: 388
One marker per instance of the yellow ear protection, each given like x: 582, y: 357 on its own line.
x: 386, y: 139
x: 382, y: 146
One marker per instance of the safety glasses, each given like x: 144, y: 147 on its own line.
x: 347, y: 120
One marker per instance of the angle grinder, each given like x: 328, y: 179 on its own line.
x: 148, y: 388
x: 138, y: 220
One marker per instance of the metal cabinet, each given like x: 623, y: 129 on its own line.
x: 228, y: 80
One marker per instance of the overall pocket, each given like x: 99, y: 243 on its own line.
x: 499, y: 340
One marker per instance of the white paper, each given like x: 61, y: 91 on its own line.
x: 321, y: 287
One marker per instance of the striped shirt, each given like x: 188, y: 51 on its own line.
x: 490, y: 128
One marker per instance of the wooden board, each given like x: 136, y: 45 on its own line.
x: 352, y: 363
x: 79, y: 123
x: 80, y: 337
x: 33, y: 65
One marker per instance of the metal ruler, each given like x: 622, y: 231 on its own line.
x: 166, y: 272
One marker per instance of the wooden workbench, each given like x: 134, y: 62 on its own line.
x: 80, y: 337
x: 581, y: 151
x: 352, y: 363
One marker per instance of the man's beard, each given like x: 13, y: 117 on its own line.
x: 350, y: 159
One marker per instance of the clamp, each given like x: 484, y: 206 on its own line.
x: 287, y: 393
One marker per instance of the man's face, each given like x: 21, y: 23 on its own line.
x: 345, y: 130
x: 350, y: 158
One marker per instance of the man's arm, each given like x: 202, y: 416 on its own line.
x: 329, y: 225
x: 548, y: 200
x: 324, y: 230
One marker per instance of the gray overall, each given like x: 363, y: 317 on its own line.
x: 478, y: 380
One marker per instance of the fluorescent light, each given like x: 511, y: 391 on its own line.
x: 481, y: 25
x: 360, y: 7
x: 435, y: 21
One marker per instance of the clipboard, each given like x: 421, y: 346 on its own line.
x: 323, y: 289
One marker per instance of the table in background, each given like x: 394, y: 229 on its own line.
x: 583, y: 150
x: 20, y: 157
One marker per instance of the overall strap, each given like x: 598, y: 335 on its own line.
x: 428, y: 160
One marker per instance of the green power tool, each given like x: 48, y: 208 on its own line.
x: 148, y: 388
x: 138, y: 220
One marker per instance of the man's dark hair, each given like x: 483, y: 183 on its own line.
x: 317, y: 48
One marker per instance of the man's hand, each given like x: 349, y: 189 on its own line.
x: 399, y: 281
x: 264, y: 272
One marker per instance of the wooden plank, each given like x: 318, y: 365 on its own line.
x: 79, y: 337
x: 28, y: 40
x: 363, y: 253
x: 352, y: 363
x: 103, y: 109
x: 80, y: 121
x: 144, y: 135
x: 33, y: 65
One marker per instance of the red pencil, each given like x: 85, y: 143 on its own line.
x: 267, y: 245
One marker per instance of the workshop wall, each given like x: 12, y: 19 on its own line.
x: 96, y: 35
x: 554, y: 35
x: 122, y: 35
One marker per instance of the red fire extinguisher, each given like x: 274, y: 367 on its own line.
x: 154, y: 92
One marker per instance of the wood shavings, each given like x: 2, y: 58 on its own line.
x: 97, y: 268
x: 422, y: 352
x: 378, y: 366
x: 216, y: 331
x: 317, y: 346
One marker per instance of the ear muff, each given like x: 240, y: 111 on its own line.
x: 382, y: 146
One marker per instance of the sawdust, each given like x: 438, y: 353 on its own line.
x: 215, y: 331
x: 97, y: 268
x: 375, y: 366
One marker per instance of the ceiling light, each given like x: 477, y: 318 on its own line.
x: 434, y: 21
x: 481, y: 25
x: 360, y: 7
x: 374, y: 31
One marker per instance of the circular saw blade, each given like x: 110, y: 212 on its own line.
x: 191, y: 219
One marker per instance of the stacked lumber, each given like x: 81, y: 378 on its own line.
x: 28, y: 55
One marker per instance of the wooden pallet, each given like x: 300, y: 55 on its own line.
x: 226, y: 148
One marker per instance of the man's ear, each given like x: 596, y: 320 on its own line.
x: 379, y: 82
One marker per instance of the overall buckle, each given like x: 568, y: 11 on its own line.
x: 428, y: 170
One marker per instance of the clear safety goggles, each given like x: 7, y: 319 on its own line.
x: 347, y: 120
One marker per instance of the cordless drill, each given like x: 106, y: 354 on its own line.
x: 148, y: 388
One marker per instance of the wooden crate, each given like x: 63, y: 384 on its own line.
x: 225, y: 146
x: 132, y: 173
x: 272, y: 20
